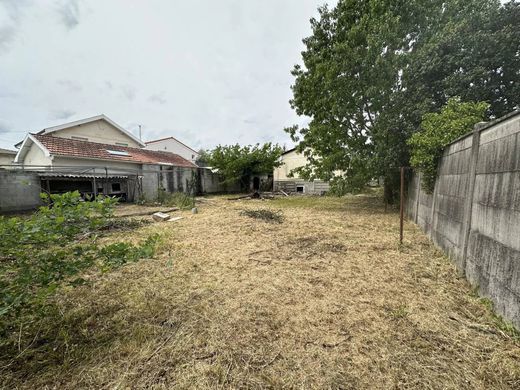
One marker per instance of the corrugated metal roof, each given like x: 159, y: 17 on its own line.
x: 80, y: 175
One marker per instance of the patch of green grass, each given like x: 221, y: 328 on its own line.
x: 500, y: 323
x: 332, y: 203
x: 400, y: 312
x: 181, y: 200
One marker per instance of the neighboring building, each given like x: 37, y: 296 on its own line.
x: 291, y: 159
x: 95, y: 156
x: 100, y: 129
x: 173, y: 145
x: 6, y: 157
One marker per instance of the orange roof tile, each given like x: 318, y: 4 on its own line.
x: 85, y: 149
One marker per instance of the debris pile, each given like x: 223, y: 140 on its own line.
x: 261, y: 195
x: 265, y: 215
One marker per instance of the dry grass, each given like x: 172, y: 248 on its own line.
x: 326, y: 299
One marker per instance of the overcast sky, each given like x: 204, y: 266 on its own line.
x: 206, y: 71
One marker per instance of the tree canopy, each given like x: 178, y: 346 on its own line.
x: 372, y: 68
x: 240, y: 163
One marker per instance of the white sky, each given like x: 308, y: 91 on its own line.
x: 205, y: 71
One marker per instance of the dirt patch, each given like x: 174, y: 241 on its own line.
x: 327, y: 299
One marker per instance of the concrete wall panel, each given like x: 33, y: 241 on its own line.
x: 19, y: 191
x: 474, y: 213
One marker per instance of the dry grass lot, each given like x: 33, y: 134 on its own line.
x: 326, y: 299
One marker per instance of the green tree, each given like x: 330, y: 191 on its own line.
x: 373, y: 68
x: 240, y: 163
x: 437, y: 131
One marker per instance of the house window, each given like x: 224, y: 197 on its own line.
x: 121, y: 144
x: 299, y: 189
x: 117, y: 152
x: 116, y: 187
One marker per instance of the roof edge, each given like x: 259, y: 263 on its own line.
x: 93, y: 119
x: 171, y: 137
x: 23, y: 150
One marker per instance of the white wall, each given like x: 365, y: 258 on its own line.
x: 290, y: 161
x: 173, y: 146
x: 6, y: 158
x: 99, y: 165
x: 35, y: 156
x: 98, y: 131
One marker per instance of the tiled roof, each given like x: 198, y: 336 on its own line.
x: 85, y: 149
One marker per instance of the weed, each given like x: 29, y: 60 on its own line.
x: 400, y: 312
x: 182, y: 200
x: 265, y: 215
x: 499, y: 322
x: 51, y: 249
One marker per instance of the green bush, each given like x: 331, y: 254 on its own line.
x: 437, y: 131
x: 121, y: 253
x: 50, y: 249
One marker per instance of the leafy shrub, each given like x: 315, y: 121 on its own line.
x: 120, y: 253
x: 47, y: 250
x: 437, y: 131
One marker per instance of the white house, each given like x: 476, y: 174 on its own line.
x: 96, y: 155
x: 6, y: 157
x: 283, y: 180
x: 173, y: 145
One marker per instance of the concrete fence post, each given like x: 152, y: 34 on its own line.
x: 417, y: 196
x: 431, y: 231
x: 470, y: 190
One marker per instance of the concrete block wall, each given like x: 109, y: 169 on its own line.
x: 177, y: 179
x: 211, y: 183
x: 19, y: 191
x: 473, y: 214
x: 150, y: 182
x: 315, y: 187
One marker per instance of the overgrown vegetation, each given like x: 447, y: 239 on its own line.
x: 51, y: 249
x: 237, y: 163
x: 372, y: 68
x: 264, y: 214
x: 437, y: 131
x: 182, y: 200
x: 499, y: 322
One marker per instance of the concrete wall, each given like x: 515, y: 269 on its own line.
x: 316, y: 187
x: 178, y: 179
x: 19, y: 191
x: 150, y: 182
x: 212, y: 183
x: 474, y: 211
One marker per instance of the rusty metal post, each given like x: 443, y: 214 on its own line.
x: 401, y: 209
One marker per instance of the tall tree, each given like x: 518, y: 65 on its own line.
x: 372, y: 68
x: 240, y: 163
